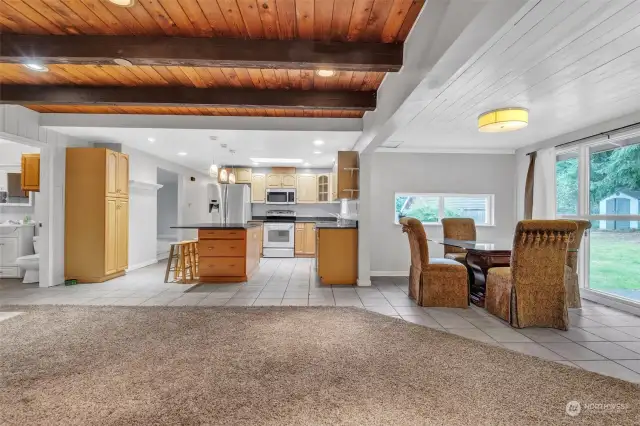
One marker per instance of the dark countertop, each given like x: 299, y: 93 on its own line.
x: 347, y: 224
x: 216, y: 226
x: 299, y: 219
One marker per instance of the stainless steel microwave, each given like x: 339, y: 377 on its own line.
x: 281, y: 196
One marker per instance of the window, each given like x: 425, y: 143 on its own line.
x: 430, y: 208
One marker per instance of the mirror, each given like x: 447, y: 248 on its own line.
x: 11, y: 193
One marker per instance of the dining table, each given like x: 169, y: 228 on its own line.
x: 481, y: 256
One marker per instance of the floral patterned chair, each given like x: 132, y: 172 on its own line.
x: 458, y: 229
x: 531, y: 292
x: 571, y: 268
x: 433, y: 282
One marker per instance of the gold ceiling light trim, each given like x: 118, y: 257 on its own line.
x: 123, y: 3
x: 503, y: 120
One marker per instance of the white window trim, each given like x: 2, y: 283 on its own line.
x: 490, y: 208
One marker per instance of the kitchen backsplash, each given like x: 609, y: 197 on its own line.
x: 319, y: 210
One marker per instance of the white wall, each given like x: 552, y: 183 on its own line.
x: 143, y: 204
x: 167, y: 208
x: 439, y: 173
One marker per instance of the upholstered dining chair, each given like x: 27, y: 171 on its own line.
x: 531, y: 291
x: 433, y: 282
x: 571, y: 268
x: 458, y: 229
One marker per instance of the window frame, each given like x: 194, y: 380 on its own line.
x: 489, y: 200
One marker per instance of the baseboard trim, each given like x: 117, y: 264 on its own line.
x: 363, y: 283
x: 162, y: 256
x: 141, y: 265
x: 389, y: 273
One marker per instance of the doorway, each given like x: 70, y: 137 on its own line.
x: 167, y: 211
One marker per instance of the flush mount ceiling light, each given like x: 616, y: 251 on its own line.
x: 503, y: 120
x: 123, y: 62
x: 36, y: 67
x: 326, y: 73
x: 277, y: 160
x: 123, y: 3
x: 318, y: 142
x: 152, y: 140
x: 182, y: 154
x: 307, y: 164
x: 317, y: 152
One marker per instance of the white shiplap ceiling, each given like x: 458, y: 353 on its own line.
x: 572, y: 63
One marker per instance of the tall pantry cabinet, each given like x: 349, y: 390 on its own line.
x: 96, y: 214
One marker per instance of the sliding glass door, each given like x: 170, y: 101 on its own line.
x: 600, y: 182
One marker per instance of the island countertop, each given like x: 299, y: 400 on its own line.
x: 346, y: 224
x: 212, y: 225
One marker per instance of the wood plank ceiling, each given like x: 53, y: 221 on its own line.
x: 361, y: 25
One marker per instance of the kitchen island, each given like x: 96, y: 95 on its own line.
x: 227, y: 252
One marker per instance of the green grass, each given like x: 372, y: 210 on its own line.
x: 615, y: 260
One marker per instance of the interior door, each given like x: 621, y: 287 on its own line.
x: 122, y: 235
x: 123, y: 176
x: 112, y: 173
x: 111, y: 237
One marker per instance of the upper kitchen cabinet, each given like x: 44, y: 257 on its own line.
x: 348, y: 173
x: 274, y: 180
x: 258, y: 188
x: 243, y: 174
x: 324, y: 188
x: 289, y: 181
x: 30, y: 172
x: 306, y: 188
x: 281, y: 180
x: 117, y: 174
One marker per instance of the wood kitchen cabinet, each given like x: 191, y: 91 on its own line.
x: 243, y: 174
x: 323, y: 188
x: 228, y: 255
x: 258, y: 188
x: 117, y: 174
x: 96, y: 214
x: 305, y: 239
x: 30, y: 172
x: 337, y: 255
x: 277, y: 180
x: 306, y: 188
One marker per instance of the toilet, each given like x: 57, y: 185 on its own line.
x: 30, y: 264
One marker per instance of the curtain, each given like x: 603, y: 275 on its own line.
x: 528, y: 187
x: 544, y: 183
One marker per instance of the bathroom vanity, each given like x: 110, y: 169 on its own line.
x: 15, y: 241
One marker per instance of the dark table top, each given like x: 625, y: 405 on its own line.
x: 212, y: 225
x: 347, y: 224
x: 497, y: 245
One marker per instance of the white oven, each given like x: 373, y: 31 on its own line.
x: 278, y: 239
x: 281, y: 196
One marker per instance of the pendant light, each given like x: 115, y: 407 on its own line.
x: 232, y: 178
x: 224, y: 176
x: 213, y: 169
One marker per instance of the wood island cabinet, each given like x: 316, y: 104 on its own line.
x: 96, y: 214
x: 337, y: 255
x: 228, y: 255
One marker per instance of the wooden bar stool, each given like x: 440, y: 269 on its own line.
x: 181, y: 261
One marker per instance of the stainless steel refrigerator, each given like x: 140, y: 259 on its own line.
x: 229, y: 203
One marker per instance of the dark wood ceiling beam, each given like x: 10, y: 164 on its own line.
x: 186, y: 96
x: 201, y: 52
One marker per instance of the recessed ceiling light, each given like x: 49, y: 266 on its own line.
x: 318, y: 142
x: 277, y: 160
x: 307, y: 164
x: 152, y: 140
x: 123, y: 3
x: 326, y: 73
x: 123, y: 62
x: 36, y: 67
x: 182, y: 154
x: 255, y: 164
x: 317, y: 152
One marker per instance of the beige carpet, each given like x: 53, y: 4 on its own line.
x: 277, y: 366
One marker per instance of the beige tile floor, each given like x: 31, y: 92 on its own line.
x: 601, y: 339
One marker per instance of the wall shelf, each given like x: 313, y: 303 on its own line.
x: 144, y: 186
